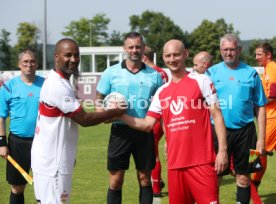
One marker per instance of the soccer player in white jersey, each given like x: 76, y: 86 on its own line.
x: 54, y: 146
x: 185, y: 105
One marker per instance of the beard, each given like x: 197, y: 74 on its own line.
x: 69, y: 71
x: 76, y: 73
x: 231, y: 63
x: 135, y: 57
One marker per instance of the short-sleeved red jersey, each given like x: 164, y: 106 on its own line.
x: 184, y: 109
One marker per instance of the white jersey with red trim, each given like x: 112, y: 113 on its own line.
x: 183, y: 107
x: 55, y: 141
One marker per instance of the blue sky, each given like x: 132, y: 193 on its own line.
x: 253, y: 18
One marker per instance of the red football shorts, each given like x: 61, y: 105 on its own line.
x: 194, y: 184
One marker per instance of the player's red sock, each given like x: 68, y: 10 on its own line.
x: 156, y: 177
x: 254, y: 194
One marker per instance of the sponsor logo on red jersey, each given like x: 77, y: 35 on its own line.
x: 176, y: 107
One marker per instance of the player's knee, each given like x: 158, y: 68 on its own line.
x: 116, y: 180
x: 18, y: 189
x: 242, y: 180
x: 146, y: 182
x: 144, y: 178
x: 116, y: 184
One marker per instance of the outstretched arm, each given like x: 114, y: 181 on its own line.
x: 93, y: 118
x: 144, y: 124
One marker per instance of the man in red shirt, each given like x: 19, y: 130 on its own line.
x: 157, y: 182
x: 185, y: 105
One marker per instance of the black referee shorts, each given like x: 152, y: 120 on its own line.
x: 125, y: 141
x: 239, y: 143
x: 20, y: 151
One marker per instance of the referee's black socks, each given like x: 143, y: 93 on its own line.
x: 146, y: 195
x: 114, y: 197
x: 16, y: 198
x: 243, y: 195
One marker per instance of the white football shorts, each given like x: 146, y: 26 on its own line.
x: 49, y: 190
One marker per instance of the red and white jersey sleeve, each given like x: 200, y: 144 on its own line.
x: 55, y: 141
x: 155, y: 109
x: 163, y: 74
x: 58, y: 93
x: 183, y: 107
x: 207, y: 87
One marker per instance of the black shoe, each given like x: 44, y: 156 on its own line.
x: 162, y: 184
x: 157, y: 195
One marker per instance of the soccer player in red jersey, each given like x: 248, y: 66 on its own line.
x: 185, y: 105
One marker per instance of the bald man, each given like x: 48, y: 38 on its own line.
x: 192, y: 174
x: 202, y: 61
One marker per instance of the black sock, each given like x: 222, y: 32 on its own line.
x: 146, y: 195
x: 256, y: 184
x: 16, y: 198
x: 243, y: 195
x: 114, y: 196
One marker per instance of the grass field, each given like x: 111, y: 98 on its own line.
x: 90, y: 178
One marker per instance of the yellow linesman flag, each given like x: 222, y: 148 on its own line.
x: 20, y: 169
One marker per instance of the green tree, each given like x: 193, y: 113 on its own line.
x: 5, y: 50
x: 28, y: 36
x: 156, y: 30
x: 250, y: 57
x: 89, y: 32
x: 115, y: 39
x: 273, y: 44
x: 206, y: 37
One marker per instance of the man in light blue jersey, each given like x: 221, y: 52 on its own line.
x: 138, y: 83
x: 241, y: 94
x: 19, y: 100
